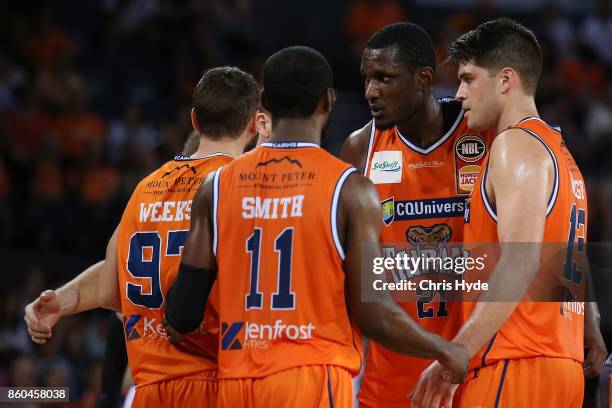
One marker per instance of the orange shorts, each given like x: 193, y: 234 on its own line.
x: 538, y: 382
x: 304, y: 386
x: 177, y: 393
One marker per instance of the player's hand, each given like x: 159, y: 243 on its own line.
x: 173, y: 335
x: 455, y: 362
x: 432, y: 390
x: 597, y: 352
x: 41, y: 316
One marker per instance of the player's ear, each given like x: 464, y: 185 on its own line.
x: 425, y: 78
x: 194, y: 121
x: 264, y: 125
x: 507, y: 79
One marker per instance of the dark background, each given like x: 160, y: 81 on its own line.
x: 94, y: 95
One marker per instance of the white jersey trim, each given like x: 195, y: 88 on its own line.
x: 435, y: 145
x: 288, y: 145
x: 366, y: 169
x: 334, y: 210
x: 216, y: 176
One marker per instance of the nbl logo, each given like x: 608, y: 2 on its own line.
x: 470, y: 148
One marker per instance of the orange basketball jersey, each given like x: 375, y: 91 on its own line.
x: 152, y: 232
x: 548, y: 329
x: 423, y: 194
x: 280, y: 277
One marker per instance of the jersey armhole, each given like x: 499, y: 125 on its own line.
x: 215, y: 223
x: 366, y: 167
x: 553, y: 195
x: 334, y: 210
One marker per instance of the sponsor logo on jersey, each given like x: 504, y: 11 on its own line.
x: 177, y: 168
x: 259, y: 336
x: 386, y: 167
x: 388, y: 210
x: 470, y: 151
x: 422, y: 209
x: 229, y: 336
x: 285, y: 145
x: 130, y: 327
x: 425, y: 165
x: 467, y: 177
x: 282, y: 159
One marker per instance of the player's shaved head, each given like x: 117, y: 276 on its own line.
x: 294, y: 80
x: 501, y: 43
x: 224, y: 100
x: 414, y: 47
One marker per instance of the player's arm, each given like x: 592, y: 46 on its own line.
x: 383, y: 320
x: 97, y: 286
x: 355, y: 147
x: 186, y: 299
x: 520, y: 173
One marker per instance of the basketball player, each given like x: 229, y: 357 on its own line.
x: 436, y: 158
x: 144, y: 252
x: 283, y: 248
x: 523, y: 353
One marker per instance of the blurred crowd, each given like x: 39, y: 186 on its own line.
x: 94, y: 95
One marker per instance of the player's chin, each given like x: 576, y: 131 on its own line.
x: 384, y: 124
x: 474, y: 124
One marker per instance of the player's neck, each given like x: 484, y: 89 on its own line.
x: 514, y: 111
x: 296, y: 130
x: 233, y: 147
x: 425, y: 126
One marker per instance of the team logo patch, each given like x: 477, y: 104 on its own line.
x: 386, y: 167
x: 434, y: 235
x: 470, y: 151
x: 388, y: 210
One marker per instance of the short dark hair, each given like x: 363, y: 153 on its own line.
x: 414, y: 46
x: 294, y: 79
x: 501, y: 43
x: 224, y: 100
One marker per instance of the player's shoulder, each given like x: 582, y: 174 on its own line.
x: 359, y: 139
x: 517, y: 144
x: 355, y: 147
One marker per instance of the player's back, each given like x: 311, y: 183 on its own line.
x: 279, y: 257
x: 542, y: 326
x: 152, y: 232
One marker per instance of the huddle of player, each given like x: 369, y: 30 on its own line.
x: 239, y: 276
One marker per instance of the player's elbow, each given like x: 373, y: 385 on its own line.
x: 377, y: 329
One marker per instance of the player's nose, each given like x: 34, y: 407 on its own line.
x: 460, y: 95
x: 371, y: 91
